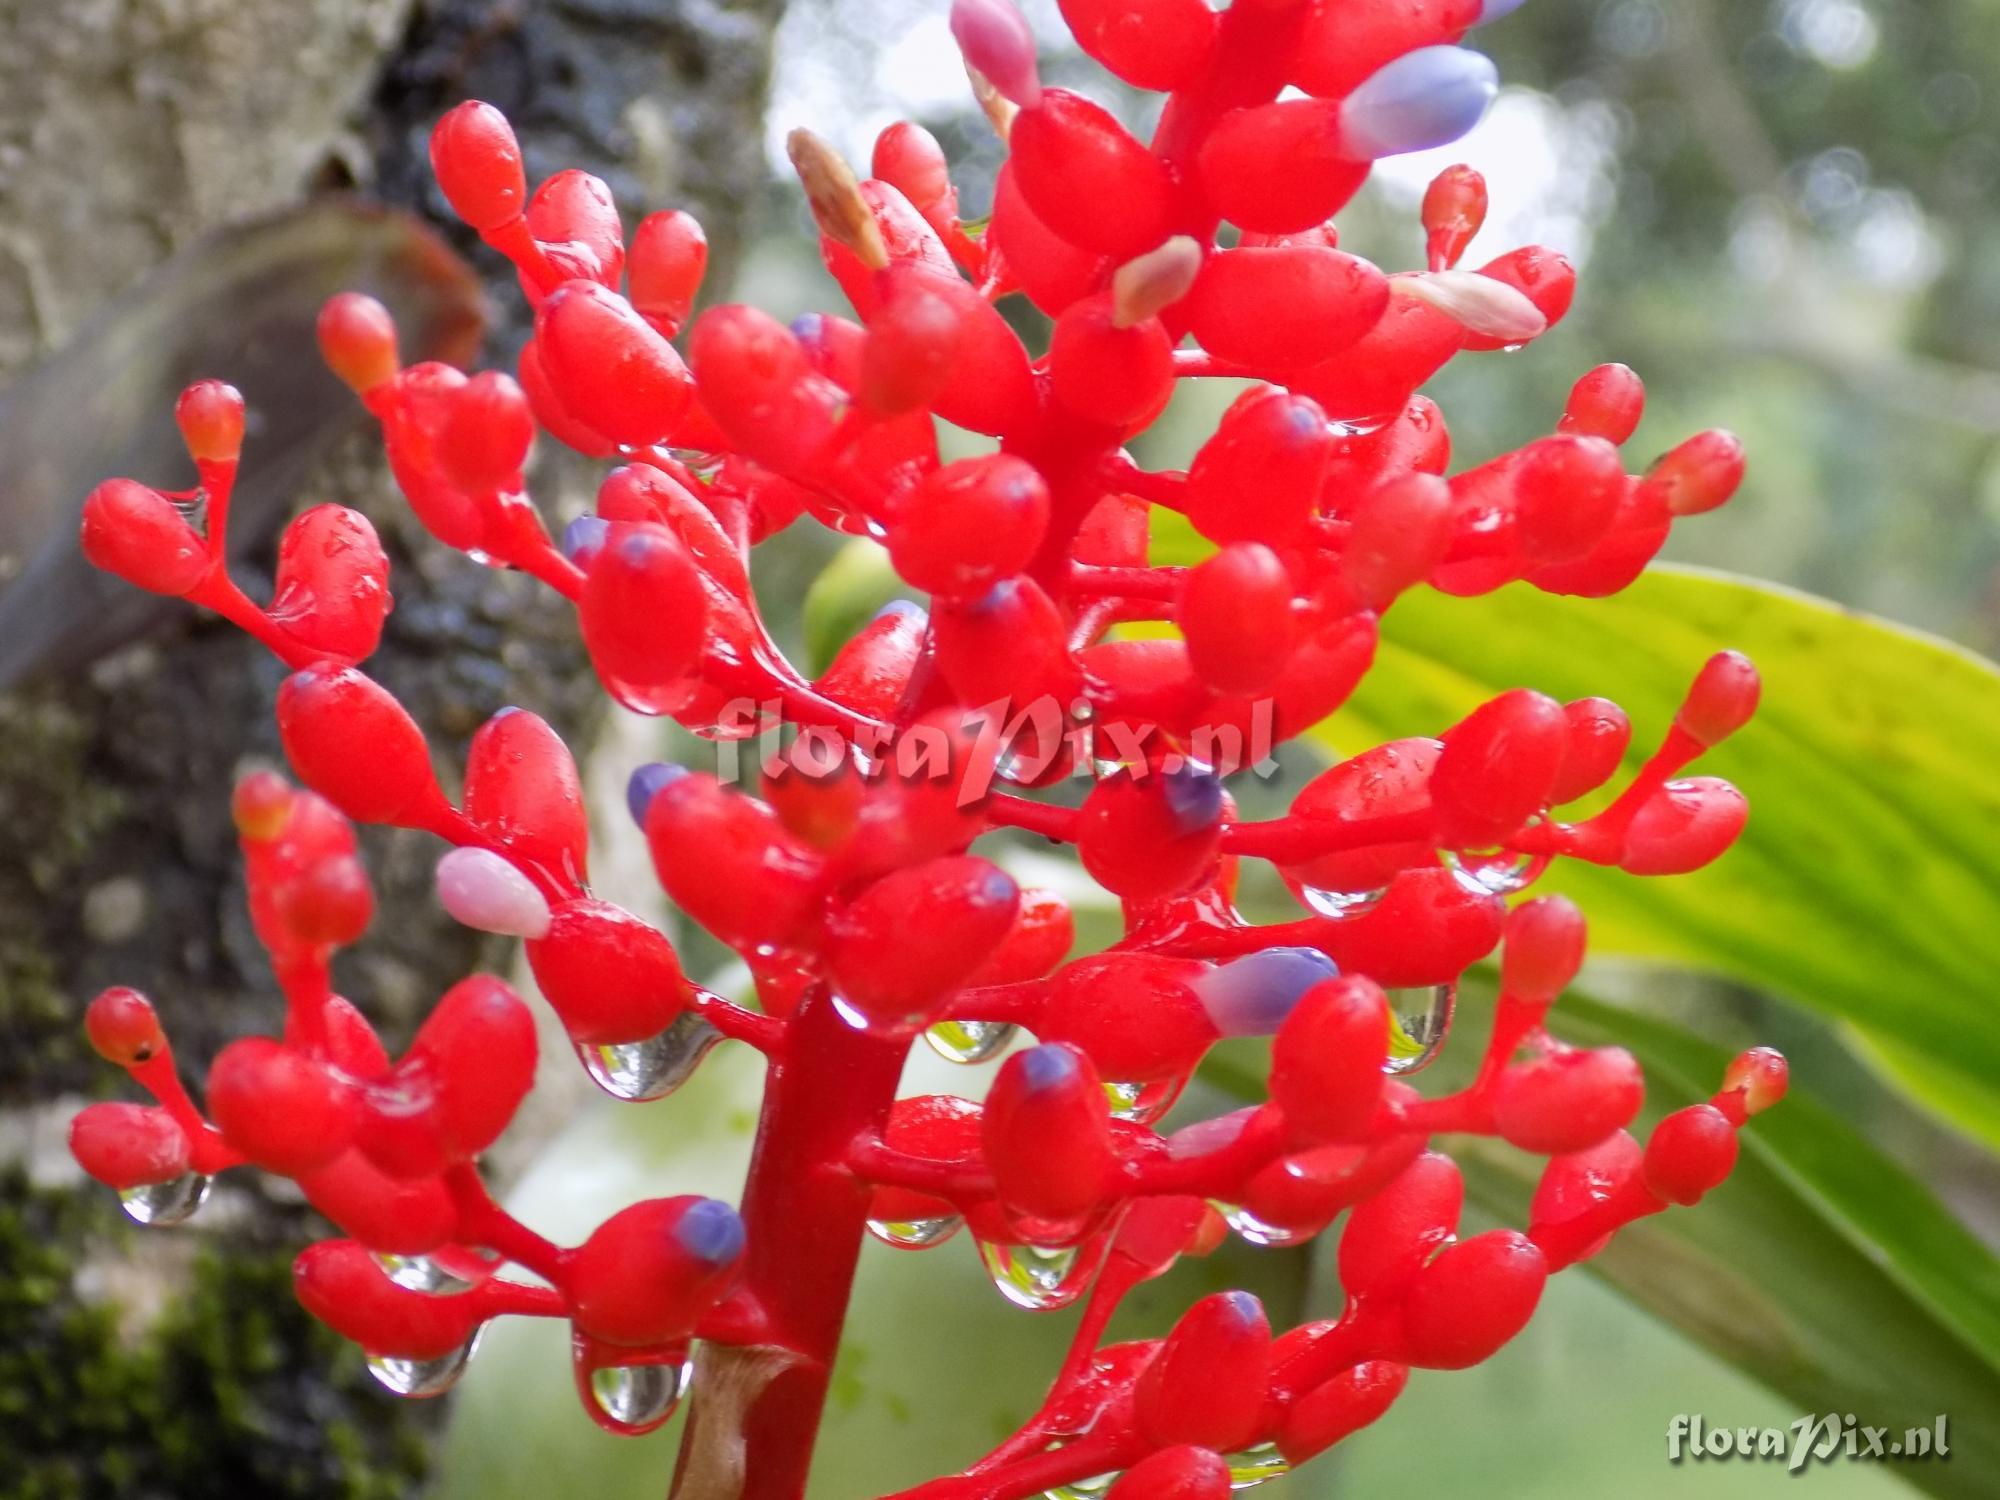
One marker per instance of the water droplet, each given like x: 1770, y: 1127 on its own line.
x: 418, y: 1378
x: 161, y: 1204
x: 430, y: 1275
x: 1042, y: 1278
x: 1422, y: 1019
x: 1495, y: 872
x: 1339, y: 903
x: 1144, y: 1103
x: 969, y: 1042
x: 632, y: 1400
x: 1255, y: 1465
x: 653, y: 1068
x: 1084, y: 1489
x: 915, y: 1234
x: 1254, y: 1231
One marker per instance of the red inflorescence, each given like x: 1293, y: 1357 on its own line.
x: 846, y: 878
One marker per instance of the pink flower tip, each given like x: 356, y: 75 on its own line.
x: 996, y: 41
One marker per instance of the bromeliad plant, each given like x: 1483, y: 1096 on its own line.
x: 848, y: 886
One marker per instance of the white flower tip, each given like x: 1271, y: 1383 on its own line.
x: 483, y: 891
x: 1485, y: 305
x: 998, y: 45
x: 1147, y: 283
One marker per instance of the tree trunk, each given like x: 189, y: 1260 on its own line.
x: 127, y: 129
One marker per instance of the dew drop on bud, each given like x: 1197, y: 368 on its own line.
x: 425, y: 1273
x: 1043, y: 1278
x: 631, y: 1400
x: 1258, y: 1464
x: 163, y: 1204
x: 1422, y: 1019
x: 1499, y: 874
x: 915, y: 1234
x: 1328, y: 903
x: 1143, y: 1103
x: 970, y: 1042
x: 420, y: 1378
x: 1254, y: 1231
x: 653, y: 1067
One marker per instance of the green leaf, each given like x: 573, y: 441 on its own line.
x: 856, y: 583
x: 1867, y: 884
x: 1822, y: 1268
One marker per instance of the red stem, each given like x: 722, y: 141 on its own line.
x: 806, y: 1215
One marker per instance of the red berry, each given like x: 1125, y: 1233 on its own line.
x: 1207, y: 1383
x: 478, y: 165
x: 1568, y: 1100
x: 1690, y: 1153
x: 1390, y: 1237
x: 333, y: 583
x: 1279, y: 168
x: 140, y: 535
x: 731, y: 865
x: 1149, y: 835
x: 1151, y: 44
x: 1047, y: 1133
x: 1544, y: 949
x: 1258, y: 478
x: 330, y: 903
x: 1721, y: 700
x: 969, y: 525
x: 1498, y: 767
x: 1326, y: 1063
x: 1281, y: 307
x: 210, y: 417
x: 356, y: 746
x: 611, y: 977
x: 1135, y: 1015
x: 1761, y: 1074
x: 343, y: 1286
x: 575, y: 219
x: 664, y: 271
x: 1453, y: 210
x: 1472, y: 1299
x: 644, y: 614
x: 277, y: 1106
x: 1338, y: 1407
x: 128, y: 1145
x: 1182, y: 1473
x: 1598, y: 735
x: 521, y: 788
x: 484, y: 438
x: 1106, y: 371
x: 1700, y: 474
x: 899, y: 948
x: 1581, y: 1181
x: 609, y: 367
x: 1683, y: 826
x: 1237, y: 614
x: 123, y: 1027
x: 649, y: 1271
x: 1088, y: 179
x: 1606, y: 402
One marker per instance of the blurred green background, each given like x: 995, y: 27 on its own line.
x: 1786, y: 219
